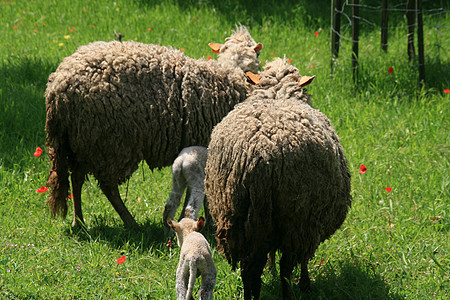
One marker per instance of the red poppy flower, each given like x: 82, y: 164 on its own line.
x: 362, y: 169
x: 316, y: 33
x: 388, y: 189
x: 121, y: 260
x: 169, y: 243
x: 182, y: 49
x: 390, y: 70
x: 70, y: 196
x: 272, y: 54
x: 42, y: 190
x: 209, y: 57
x: 148, y: 29
x: 15, y: 27
x: 38, y: 152
x: 447, y: 91
x: 289, y: 60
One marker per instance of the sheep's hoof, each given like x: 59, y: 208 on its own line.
x: 305, y: 285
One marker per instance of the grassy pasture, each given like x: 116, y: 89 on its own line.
x: 393, y: 245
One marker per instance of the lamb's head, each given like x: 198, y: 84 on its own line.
x: 239, y: 51
x: 185, y: 227
x: 279, y: 80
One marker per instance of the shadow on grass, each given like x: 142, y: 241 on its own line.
x: 149, y: 236
x: 258, y: 12
x: 350, y: 280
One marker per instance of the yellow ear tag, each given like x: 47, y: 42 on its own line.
x: 215, y: 47
x: 253, y: 78
x: 305, y: 80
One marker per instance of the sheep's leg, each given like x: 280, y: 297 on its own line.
x: 77, y: 179
x: 305, y: 282
x: 286, y: 267
x: 113, y: 195
x: 271, y: 264
x: 251, y: 271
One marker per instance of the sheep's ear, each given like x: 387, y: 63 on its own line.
x: 253, y: 78
x: 305, y: 80
x: 200, y: 223
x: 258, y: 47
x: 215, y: 47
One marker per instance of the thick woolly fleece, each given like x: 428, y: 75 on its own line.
x: 112, y: 104
x: 276, y: 175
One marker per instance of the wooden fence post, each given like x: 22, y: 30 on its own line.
x: 420, y: 42
x: 335, y: 30
x: 355, y: 36
x: 411, y: 19
x: 384, y: 25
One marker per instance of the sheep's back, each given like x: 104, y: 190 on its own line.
x: 276, y: 177
x: 108, y: 99
x: 116, y: 104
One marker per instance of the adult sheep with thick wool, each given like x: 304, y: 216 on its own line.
x: 111, y: 105
x: 276, y: 178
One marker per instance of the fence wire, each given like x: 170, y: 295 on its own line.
x: 436, y: 35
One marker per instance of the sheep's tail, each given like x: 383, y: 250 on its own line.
x: 192, y: 278
x: 58, y: 181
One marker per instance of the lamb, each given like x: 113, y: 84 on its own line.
x: 113, y: 104
x: 188, y: 171
x: 276, y: 178
x: 195, y: 259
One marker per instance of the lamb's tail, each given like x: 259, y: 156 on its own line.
x: 58, y: 180
x: 192, y: 278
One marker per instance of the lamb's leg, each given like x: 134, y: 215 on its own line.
x: 178, y: 186
x: 305, y: 282
x: 207, y: 289
x: 77, y: 179
x: 113, y: 195
x: 186, y: 201
x: 251, y: 271
x: 286, y: 267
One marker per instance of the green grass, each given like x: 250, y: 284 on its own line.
x: 392, y: 245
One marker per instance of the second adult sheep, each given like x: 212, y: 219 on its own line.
x: 276, y: 178
x: 111, y: 105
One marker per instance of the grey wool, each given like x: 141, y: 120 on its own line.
x: 276, y: 178
x: 111, y: 105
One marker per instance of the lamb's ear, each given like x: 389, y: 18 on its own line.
x: 253, y: 78
x: 258, y: 47
x: 305, y: 80
x: 200, y: 223
x: 172, y: 224
x: 215, y: 47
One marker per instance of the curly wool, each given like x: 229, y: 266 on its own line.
x: 112, y: 104
x: 276, y: 177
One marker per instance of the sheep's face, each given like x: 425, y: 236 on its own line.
x: 240, y: 51
x: 184, y: 227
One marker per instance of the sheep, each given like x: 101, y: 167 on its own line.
x: 195, y: 259
x: 276, y: 178
x: 113, y: 104
x: 188, y: 171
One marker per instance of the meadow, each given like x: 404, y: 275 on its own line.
x: 394, y: 243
